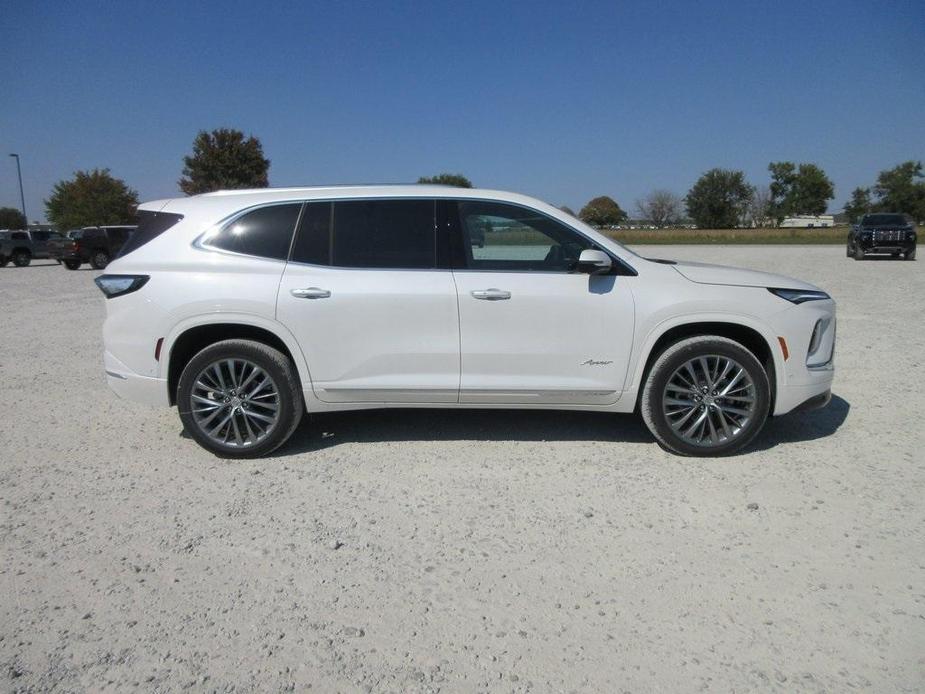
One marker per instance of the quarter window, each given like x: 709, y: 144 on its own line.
x: 265, y: 232
x: 497, y: 236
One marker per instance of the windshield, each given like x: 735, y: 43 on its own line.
x: 884, y: 220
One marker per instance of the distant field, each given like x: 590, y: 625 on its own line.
x: 737, y: 236
x: 831, y: 235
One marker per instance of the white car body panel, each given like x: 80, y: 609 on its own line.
x: 412, y: 338
x: 399, y: 344
x: 558, y: 339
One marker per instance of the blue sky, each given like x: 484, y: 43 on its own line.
x: 561, y: 100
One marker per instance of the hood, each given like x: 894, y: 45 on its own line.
x: 703, y: 273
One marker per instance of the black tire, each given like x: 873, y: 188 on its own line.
x: 21, y: 258
x: 848, y: 250
x: 910, y: 255
x: 72, y: 264
x: 858, y: 253
x: 99, y: 260
x: 276, y: 364
x: 673, y: 358
x: 4, y: 261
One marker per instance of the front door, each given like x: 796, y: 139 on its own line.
x: 532, y: 330
x: 376, y: 319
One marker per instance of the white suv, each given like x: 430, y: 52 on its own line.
x: 246, y: 308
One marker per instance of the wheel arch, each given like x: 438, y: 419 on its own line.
x: 190, y: 337
x: 754, y: 337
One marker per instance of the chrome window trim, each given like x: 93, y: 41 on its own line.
x: 201, y: 243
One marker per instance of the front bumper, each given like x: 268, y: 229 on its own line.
x: 799, y: 396
x: 131, y: 386
x: 887, y: 246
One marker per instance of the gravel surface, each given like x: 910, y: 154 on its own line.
x: 463, y: 551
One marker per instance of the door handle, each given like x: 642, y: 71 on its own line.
x: 310, y: 293
x: 491, y: 294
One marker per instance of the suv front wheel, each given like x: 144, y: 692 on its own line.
x: 240, y: 398
x: 21, y: 258
x: 706, y: 396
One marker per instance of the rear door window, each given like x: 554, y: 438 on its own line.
x: 395, y: 234
x: 373, y: 234
x: 265, y: 232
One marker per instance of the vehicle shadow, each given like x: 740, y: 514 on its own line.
x: 803, y: 426
x: 331, y: 429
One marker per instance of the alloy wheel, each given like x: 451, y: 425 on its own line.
x: 709, y: 400
x: 235, y: 403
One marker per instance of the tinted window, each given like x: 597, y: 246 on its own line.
x: 883, y: 220
x: 150, y: 226
x: 19, y: 236
x: 498, y: 236
x: 384, y: 234
x: 265, y: 232
x: 313, y: 240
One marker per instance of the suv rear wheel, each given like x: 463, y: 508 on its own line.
x: 240, y: 398
x: 21, y: 258
x: 72, y: 264
x: 706, y: 396
x: 99, y: 260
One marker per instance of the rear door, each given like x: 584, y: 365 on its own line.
x: 374, y: 314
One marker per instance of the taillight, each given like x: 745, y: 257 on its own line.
x: 117, y: 285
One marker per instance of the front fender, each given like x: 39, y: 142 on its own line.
x: 644, y: 347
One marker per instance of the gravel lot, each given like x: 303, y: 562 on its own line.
x: 467, y: 550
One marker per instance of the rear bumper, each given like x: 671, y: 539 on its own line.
x: 131, y: 386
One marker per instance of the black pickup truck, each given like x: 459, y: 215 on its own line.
x: 882, y: 233
x: 94, y: 245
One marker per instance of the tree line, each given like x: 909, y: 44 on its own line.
x: 723, y: 198
x: 720, y: 199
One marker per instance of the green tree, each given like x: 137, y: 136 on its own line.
x: 901, y: 189
x: 602, y: 211
x: 798, y: 190
x: 718, y: 199
x: 222, y: 160
x: 858, y: 205
x: 11, y: 218
x: 447, y: 179
x: 91, y: 197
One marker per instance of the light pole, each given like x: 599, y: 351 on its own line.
x: 22, y: 197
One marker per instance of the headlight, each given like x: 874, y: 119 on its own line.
x: 117, y: 285
x: 799, y: 296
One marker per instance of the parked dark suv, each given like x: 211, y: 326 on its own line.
x: 94, y: 245
x: 885, y: 233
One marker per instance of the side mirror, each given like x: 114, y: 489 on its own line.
x: 594, y: 262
